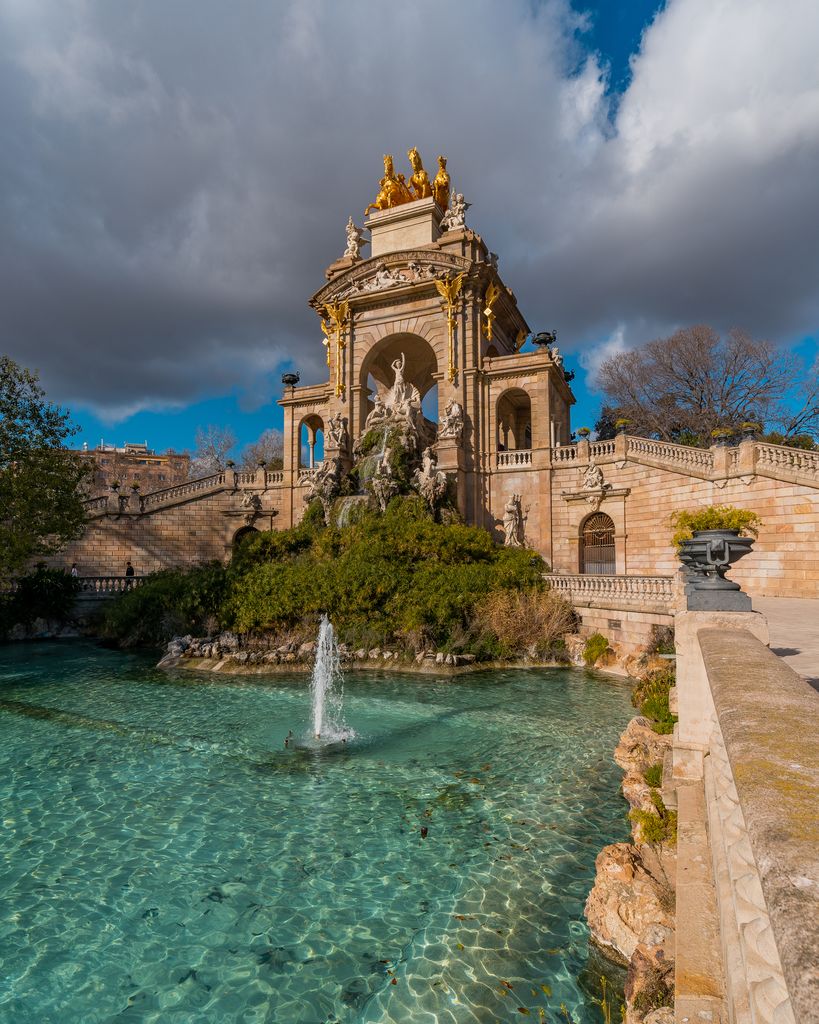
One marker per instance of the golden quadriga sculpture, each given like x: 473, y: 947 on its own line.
x: 393, y: 189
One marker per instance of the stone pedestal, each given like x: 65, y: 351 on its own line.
x: 404, y: 227
x: 451, y: 461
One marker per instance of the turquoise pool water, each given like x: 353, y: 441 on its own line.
x: 165, y: 859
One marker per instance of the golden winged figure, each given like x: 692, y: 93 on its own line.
x: 450, y: 287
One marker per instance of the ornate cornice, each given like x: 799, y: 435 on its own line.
x: 393, y: 273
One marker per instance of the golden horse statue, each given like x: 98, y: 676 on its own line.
x: 440, y: 186
x: 392, y: 189
x: 419, y: 182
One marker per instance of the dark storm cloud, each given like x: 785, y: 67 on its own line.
x: 175, y: 177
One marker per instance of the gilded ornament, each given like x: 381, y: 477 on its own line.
x: 393, y: 189
x: 339, y: 314
x: 419, y: 182
x: 449, y: 288
x: 491, y: 297
x: 441, y: 184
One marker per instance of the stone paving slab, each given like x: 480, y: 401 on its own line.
x: 793, y: 623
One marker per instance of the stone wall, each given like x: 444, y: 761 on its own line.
x: 193, y: 526
x: 644, y: 489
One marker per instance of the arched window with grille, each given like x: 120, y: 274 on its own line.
x: 597, y: 546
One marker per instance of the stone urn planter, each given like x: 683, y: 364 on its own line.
x: 709, y: 554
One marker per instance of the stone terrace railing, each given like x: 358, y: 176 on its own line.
x: 671, y: 454
x: 105, y: 586
x: 779, y: 457
x: 760, y: 785
x: 131, y: 502
x: 521, y: 457
x: 179, y: 491
x: 749, y: 458
x: 582, y: 588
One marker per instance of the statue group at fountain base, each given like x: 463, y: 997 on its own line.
x: 397, y: 417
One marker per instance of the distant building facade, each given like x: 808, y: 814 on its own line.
x: 134, y: 463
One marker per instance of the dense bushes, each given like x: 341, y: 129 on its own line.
x: 42, y: 594
x: 398, y: 578
x: 596, y: 646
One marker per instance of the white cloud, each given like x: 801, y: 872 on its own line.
x: 175, y: 178
x: 591, y: 359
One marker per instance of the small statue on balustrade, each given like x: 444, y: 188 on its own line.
x: 455, y: 217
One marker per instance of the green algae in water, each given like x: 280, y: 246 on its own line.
x: 165, y: 858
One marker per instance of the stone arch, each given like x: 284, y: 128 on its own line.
x: 597, y: 552
x: 421, y: 367
x: 242, y: 534
x: 311, y: 441
x: 514, y: 420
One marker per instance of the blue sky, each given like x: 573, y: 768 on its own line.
x: 175, y: 178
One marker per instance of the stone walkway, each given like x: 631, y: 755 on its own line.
x: 794, y: 627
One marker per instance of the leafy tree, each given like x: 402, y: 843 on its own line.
x: 213, y: 445
x: 41, y: 500
x: 268, y: 449
x: 683, y: 387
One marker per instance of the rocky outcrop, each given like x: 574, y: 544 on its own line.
x: 631, y: 909
x: 628, y: 907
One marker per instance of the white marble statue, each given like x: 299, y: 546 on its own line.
x: 337, y: 435
x: 455, y: 217
x: 593, y: 477
x: 324, y: 484
x: 513, y: 523
x: 429, y: 481
x: 452, y: 422
x: 383, y: 484
x: 355, y: 240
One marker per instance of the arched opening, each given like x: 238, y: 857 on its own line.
x: 242, y: 535
x: 311, y: 442
x: 420, y: 368
x: 597, y: 546
x: 514, y: 421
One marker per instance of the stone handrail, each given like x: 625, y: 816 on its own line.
x: 795, y: 459
x: 96, y: 504
x: 245, y: 476
x: 273, y: 477
x: 602, y: 448
x: 108, y: 584
x: 761, y: 781
x: 582, y: 586
x: 187, y: 489
x: 564, y: 453
x: 517, y: 457
x: 701, y: 459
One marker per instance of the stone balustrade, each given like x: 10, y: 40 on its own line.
x: 105, y: 586
x: 639, y: 589
x: 513, y: 459
x: 181, y: 491
x: 778, y: 456
x: 747, y: 459
x: 564, y: 453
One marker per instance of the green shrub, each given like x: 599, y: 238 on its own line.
x: 41, y: 594
x: 651, y: 694
x: 656, y: 828
x: 596, y: 645
x: 714, y: 517
x: 396, y: 577
x: 167, y: 604
x: 654, y: 775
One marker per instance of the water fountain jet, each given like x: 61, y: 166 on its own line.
x: 327, y: 689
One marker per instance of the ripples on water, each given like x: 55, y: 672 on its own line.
x: 164, y: 858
